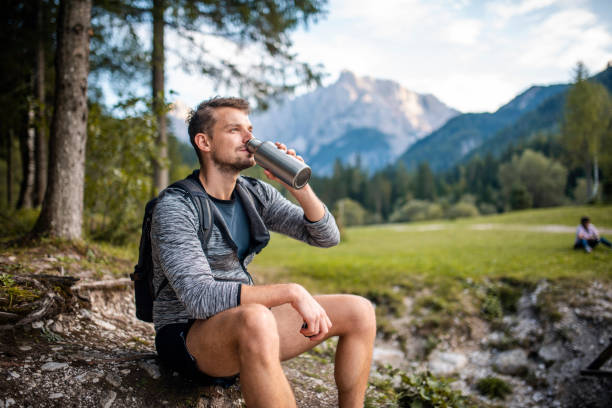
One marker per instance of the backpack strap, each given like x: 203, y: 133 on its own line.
x: 194, y: 190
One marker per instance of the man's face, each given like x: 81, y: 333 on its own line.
x: 230, y: 133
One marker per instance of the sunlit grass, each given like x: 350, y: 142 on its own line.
x: 408, y: 255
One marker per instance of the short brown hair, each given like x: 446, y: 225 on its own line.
x: 202, y: 119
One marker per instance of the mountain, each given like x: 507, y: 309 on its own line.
x: 461, y: 138
x: 547, y: 116
x: 466, y: 133
x: 354, y: 117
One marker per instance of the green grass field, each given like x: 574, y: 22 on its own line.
x: 379, y: 258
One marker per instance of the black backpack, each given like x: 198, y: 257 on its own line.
x: 144, y: 291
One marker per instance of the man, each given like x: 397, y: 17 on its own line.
x: 587, y: 236
x: 210, y: 318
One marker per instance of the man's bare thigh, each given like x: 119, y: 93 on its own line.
x: 214, y: 342
x: 339, y: 309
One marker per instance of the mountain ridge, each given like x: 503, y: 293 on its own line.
x: 327, y: 115
x: 464, y: 133
x: 538, y: 109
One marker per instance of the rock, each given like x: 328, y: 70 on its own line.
x: 14, y: 374
x: 151, y: 368
x: 56, y: 395
x: 527, y: 331
x: 103, y: 324
x: 387, y: 354
x: 37, y: 325
x: 9, y: 402
x: 512, y: 362
x: 52, y: 366
x: 446, y: 363
x: 107, y: 401
x: 551, y: 352
x: 113, y: 380
x: 218, y: 397
x: 57, y: 327
x: 25, y: 348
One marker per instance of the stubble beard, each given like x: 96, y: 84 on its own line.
x: 231, y: 167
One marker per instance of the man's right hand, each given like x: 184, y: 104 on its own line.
x: 316, y: 320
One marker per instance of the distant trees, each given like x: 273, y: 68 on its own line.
x: 587, y: 123
x: 532, y: 179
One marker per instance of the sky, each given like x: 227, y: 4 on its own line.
x: 474, y: 56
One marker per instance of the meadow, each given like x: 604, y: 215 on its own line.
x: 525, y: 245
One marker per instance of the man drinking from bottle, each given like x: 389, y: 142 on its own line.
x: 210, y: 319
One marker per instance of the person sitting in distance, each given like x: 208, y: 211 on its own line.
x: 588, y: 237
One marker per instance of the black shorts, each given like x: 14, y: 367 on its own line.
x: 170, y: 342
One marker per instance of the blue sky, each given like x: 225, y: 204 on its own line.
x: 473, y: 55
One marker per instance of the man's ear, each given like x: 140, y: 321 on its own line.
x: 202, y: 140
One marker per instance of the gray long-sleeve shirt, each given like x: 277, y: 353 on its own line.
x: 204, y: 282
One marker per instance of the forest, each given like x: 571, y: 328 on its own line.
x: 81, y: 166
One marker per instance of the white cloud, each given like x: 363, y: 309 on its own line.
x: 456, y: 51
x: 504, y: 11
x: 566, y: 37
x: 464, y: 32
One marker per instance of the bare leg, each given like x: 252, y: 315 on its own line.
x: 252, y: 340
x: 243, y: 339
x: 354, y: 322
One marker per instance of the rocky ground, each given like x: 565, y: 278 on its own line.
x: 103, y: 356
x: 85, y: 347
x: 539, y: 350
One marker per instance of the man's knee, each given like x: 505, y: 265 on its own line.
x: 257, y: 329
x: 362, y: 315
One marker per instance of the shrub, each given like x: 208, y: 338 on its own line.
x: 491, y: 307
x: 349, y: 212
x: 462, y: 209
x: 493, y: 387
x: 417, y: 210
x: 487, y: 208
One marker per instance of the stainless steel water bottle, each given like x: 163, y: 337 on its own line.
x: 292, y: 171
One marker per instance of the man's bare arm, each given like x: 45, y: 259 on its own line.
x: 318, y: 323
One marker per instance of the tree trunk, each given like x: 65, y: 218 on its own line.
x: 9, y: 169
x: 28, y: 167
x: 595, y: 179
x: 160, y: 167
x: 41, y: 147
x: 62, y: 209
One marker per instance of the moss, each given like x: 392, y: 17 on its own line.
x: 430, y: 344
x: 387, y: 302
x: 320, y: 388
x: 509, y: 297
x: 493, y: 387
x: 12, y: 294
x: 139, y: 340
x: 491, y: 307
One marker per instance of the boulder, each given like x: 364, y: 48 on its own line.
x: 512, y: 362
x: 446, y: 363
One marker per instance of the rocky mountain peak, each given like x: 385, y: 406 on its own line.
x: 318, y: 121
